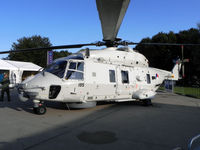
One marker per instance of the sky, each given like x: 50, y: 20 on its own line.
x: 77, y: 21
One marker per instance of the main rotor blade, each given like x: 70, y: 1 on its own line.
x: 47, y: 48
x: 163, y: 44
x: 111, y: 14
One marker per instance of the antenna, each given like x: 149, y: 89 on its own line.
x: 183, y: 67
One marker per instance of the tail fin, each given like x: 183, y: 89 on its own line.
x: 176, y: 70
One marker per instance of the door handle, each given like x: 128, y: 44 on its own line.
x: 73, y: 93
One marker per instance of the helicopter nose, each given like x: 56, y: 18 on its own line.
x: 41, y: 86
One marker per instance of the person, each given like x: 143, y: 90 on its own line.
x: 5, y: 87
x: 1, y: 77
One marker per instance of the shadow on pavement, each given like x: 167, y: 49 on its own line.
x: 121, y: 126
x: 15, y: 104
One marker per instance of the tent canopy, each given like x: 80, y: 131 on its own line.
x: 25, y: 66
x: 6, y: 66
x: 18, y: 70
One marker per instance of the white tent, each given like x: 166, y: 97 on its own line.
x: 16, y: 69
x: 6, y: 66
x: 28, y: 66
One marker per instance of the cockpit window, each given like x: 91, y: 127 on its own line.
x: 57, y: 68
x: 72, y: 65
x: 74, y: 75
x: 75, y: 71
x: 80, y: 66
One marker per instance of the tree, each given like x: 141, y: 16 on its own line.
x: 162, y: 56
x: 37, y: 57
x: 159, y: 56
x: 60, y: 54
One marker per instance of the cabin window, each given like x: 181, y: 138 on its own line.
x: 75, y: 71
x: 112, y: 75
x: 125, y: 78
x: 148, y: 79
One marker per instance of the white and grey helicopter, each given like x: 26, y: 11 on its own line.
x: 111, y: 74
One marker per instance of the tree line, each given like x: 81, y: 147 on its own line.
x: 37, y: 57
x: 162, y: 56
x: 159, y: 56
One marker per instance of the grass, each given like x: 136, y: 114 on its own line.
x: 188, y: 91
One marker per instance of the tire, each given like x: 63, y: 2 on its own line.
x: 41, y: 110
x: 146, y: 102
x: 35, y: 110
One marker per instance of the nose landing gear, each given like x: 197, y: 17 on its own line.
x: 39, y: 107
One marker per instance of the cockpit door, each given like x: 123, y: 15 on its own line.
x: 74, y: 78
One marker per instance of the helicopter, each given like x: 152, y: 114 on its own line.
x: 115, y: 74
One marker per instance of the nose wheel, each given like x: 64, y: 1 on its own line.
x: 39, y: 108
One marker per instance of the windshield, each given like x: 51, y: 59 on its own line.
x: 57, y: 68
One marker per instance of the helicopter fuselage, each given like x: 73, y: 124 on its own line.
x: 112, y: 74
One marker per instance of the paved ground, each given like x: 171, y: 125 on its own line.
x: 169, y: 123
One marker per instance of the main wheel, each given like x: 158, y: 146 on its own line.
x: 146, y: 102
x: 41, y: 110
x: 35, y: 110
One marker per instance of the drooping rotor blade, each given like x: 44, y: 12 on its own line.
x: 171, y: 44
x: 159, y: 44
x: 111, y: 14
x: 48, y: 48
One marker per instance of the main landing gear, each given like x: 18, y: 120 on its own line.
x: 146, y: 102
x: 39, y: 107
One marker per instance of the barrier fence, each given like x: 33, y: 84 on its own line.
x: 171, y: 86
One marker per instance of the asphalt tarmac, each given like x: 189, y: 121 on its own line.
x: 168, y: 124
